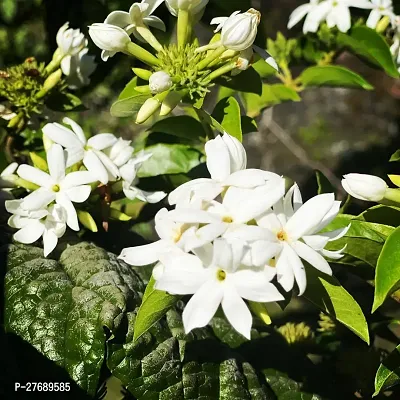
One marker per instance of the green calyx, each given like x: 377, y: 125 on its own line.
x: 181, y: 63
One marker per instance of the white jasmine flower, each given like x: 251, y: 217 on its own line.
x: 296, y: 230
x: 238, y: 31
x: 128, y: 174
x: 172, y: 236
x: 226, y: 163
x: 215, y: 277
x: 160, y: 82
x: 8, y: 177
x: 70, y: 41
x: 194, y: 6
x: 334, y: 12
x: 365, y: 187
x: 90, y: 151
x: 120, y: 152
x: 49, y: 223
x: 381, y: 8
x: 78, y: 68
x: 56, y: 186
x: 139, y: 15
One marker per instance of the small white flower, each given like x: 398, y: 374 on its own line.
x: 334, y: 12
x: 6, y: 114
x: 70, y: 41
x: 160, y: 82
x: 110, y: 38
x: 49, y: 223
x: 8, y: 177
x: 215, y: 277
x: 395, y: 47
x: 90, y: 151
x: 194, y: 6
x: 381, y: 8
x: 238, y: 31
x: 226, y: 163
x: 56, y: 186
x: 78, y: 68
x: 139, y: 15
x: 128, y: 174
x: 365, y: 187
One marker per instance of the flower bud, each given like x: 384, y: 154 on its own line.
x: 109, y: 37
x: 149, y: 107
x: 69, y: 41
x: 239, y: 30
x: 160, y: 82
x: 170, y: 102
x: 194, y: 6
x: 365, y: 187
x: 244, y: 61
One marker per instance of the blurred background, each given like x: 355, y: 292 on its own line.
x: 334, y: 130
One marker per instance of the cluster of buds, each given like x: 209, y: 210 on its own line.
x: 183, y: 70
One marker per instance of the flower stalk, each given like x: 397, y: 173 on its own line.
x: 211, y: 57
x: 183, y: 27
x: 147, y: 35
x: 141, y: 54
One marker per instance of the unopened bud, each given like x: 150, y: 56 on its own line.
x: 142, y: 73
x: 149, y: 107
x: 170, y: 102
x: 160, y: 82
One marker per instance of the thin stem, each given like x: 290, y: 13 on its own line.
x: 221, y: 71
x: 210, y: 58
x: 141, y: 54
x: 184, y: 27
x: 148, y: 36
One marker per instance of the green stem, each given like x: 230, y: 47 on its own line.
x: 210, y: 58
x: 184, y: 27
x: 54, y: 63
x: 221, y: 71
x: 15, y: 121
x: 393, y: 195
x: 148, y: 36
x: 141, y: 54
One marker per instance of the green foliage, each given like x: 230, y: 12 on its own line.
x: 248, y: 81
x: 395, y: 156
x: 324, y: 185
x: 129, y: 106
x: 282, y: 49
x: 387, y: 276
x: 227, y: 113
x: 388, y: 374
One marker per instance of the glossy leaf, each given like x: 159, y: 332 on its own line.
x: 324, y: 185
x: 249, y: 125
x: 170, y: 159
x: 387, y: 278
x: 328, y: 294
x: 395, y: 156
x: 333, y: 75
x: 129, y: 89
x: 370, y: 44
x: 248, y: 81
x: 155, y: 305
x: 227, y: 113
x: 129, y: 106
x: 388, y: 374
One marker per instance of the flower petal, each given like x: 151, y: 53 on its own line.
x: 262, y: 251
x: 77, y: 178
x: 223, y: 255
x: 144, y: 255
x: 334, y: 255
x: 236, y: 311
x: 297, y: 267
x: 38, y: 199
x: 72, y: 217
x: 203, y: 188
x: 113, y: 171
x: 247, y: 178
x: 373, y: 18
x: 35, y: 175
x: 312, y: 257
x: 77, y: 129
x: 205, y: 234
x: 218, y: 159
x: 30, y: 232
x: 50, y: 241
x: 149, y: 197
x: 95, y: 167
x: 155, y: 22
x: 298, y: 14
x: 269, y: 220
x: 202, y: 306
x: 284, y: 272
x: 102, y: 141
x: 191, y: 216
x: 61, y: 135
x: 56, y: 162
x: 118, y: 18
x: 78, y: 194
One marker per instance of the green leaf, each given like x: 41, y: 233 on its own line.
x: 388, y: 374
x: 8, y: 9
x: 381, y: 214
x: 206, y: 118
x: 155, y: 305
x: 249, y: 125
x: 368, y: 43
x: 264, y: 69
x: 324, y: 185
x: 129, y: 90
x: 38, y: 161
x: 62, y: 308
x: 395, y: 157
x: 271, y: 95
x: 170, y: 159
x: 182, y: 126
x: 247, y: 81
x: 387, y: 276
x: 129, y: 106
x: 328, y: 294
x: 57, y: 101
x: 333, y: 75
x: 227, y: 113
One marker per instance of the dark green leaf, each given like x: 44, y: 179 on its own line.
x: 129, y: 106
x: 8, y: 9
x: 227, y: 113
x: 63, y: 308
x: 264, y: 69
x: 395, y: 157
x: 328, y: 294
x: 388, y: 374
x: 170, y: 159
x: 206, y: 118
x: 155, y: 305
x: 249, y: 125
x: 64, y: 102
x: 387, y: 276
x: 370, y: 44
x: 333, y: 75
x: 182, y: 126
x: 324, y: 185
x: 247, y: 81
x: 381, y: 214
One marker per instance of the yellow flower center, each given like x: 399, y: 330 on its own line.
x: 177, y: 236
x: 282, y: 236
x: 227, y: 219
x: 56, y: 188
x: 221, y: 275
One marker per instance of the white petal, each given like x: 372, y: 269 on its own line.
x: 298, y: 14
x: 102, y: 141
x: 78, y: 194
x: 373, y: 19
x: 236, y: 311
x: 204, y: 235
x: 297, y: 267
x: 95, y: 167
x: 77, y: 130
x: 72, y: 217
x: 113, y: 171
x: 30, y: 233
x: 329, y: 217
x: 218, y: 160
x: 315, y: 17
x: 74, y: 155
x: 152, y: 6
x: 144, y: 255
x: 189, y: 216
x: 62, y: 135
x: 202, y: 306
x: 316, y: 242
x: 149, y: 197
x: 284, y: 272
x: 292, y: 201
x: 118, y: 18
x: 247, y: 178
x: 203, y: 188
x: 334, y: 255
x: 262, y: 252
x: 343, y: 18
x: 223, y: 255
x: 309, y: 215
x: 35, y: 175
x: 312, y: 257
x: 78, y: 178
x: 270, y: 220
x: 38, y: 199
x: 56, y: 162
x: 205, y: 253
x: 9, y: 170
x: 237, y: 153
x: 155, y: 22
x: 249, y: 233
x: 50, y: 241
